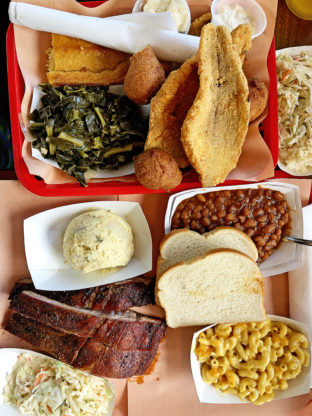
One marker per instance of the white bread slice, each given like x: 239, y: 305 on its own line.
x: 184, y: 244
x: 223, y: 286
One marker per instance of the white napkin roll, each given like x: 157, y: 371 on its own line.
x: 128, y: 33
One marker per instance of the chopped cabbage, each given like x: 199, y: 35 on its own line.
x: 43, y: 386
x: 294, y: 89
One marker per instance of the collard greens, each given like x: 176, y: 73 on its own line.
x: 85, y: 128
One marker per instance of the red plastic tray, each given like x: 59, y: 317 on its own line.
x: 38, y: 186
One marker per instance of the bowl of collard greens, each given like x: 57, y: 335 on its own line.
x: 85, y: 129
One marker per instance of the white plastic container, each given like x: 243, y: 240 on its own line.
x: 139, y: 4
x: 250, y: 6
x: 288, y: 256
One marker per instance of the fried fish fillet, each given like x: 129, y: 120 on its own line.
x: 216, y: 125
x: 76, y: 61
x: 199, y: 23
x: 169, y: 108
x: 241, y: 38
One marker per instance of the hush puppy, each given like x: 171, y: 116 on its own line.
x: 156, y: 169
x: 258, y: 94
x: 144, y: 77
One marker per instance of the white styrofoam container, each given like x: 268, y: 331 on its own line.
x: 288, y: 255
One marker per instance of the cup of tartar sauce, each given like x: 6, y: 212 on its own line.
x: 232, y: 13
x: 178, y: 8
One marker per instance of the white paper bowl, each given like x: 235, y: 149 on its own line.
x: 288, y: 256
x: 8, y: 358
x: 294, y: 51
x: 208, y: 394
x: 43, y: 235
x: 139, y: 4
x: 251, y: 6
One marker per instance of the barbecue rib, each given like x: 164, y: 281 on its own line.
x: 64, y: 347
x: 123, y: 295
x: 80, y: 322
x: 130, y: 330
x: 104, y: 361
x: 125, y: 345
x: 113, y: 297
x: 108, y: 344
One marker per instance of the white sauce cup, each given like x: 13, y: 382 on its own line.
x: 139, y: 4
x: 250, y: 6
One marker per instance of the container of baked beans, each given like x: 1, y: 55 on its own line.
x: 265, y: 211
x: 231, y: 379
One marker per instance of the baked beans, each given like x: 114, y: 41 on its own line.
x: 263, y: 214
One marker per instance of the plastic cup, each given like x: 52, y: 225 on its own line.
x: 139, y: 4
x: 250, y: 6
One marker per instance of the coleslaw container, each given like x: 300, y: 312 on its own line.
x: 8, y: 358
x: 294, y: 51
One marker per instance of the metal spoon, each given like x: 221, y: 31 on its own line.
x: 299, y: 240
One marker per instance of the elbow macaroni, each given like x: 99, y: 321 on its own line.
x: 252, y: 359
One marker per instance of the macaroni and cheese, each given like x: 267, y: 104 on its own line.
x: 252, y: 359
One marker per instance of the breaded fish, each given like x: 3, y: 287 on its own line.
x: 76, y: 61
x: 216, y: 125
x: 241, y: 38
x: 169, y: 108
x: 199, y: 23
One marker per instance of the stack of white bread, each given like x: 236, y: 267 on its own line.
x: 209, y: 278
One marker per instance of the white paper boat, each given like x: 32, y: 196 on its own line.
x: 208, y: 394
x: 288, y: 256
x: 8, y: 358
x: 43, y: 235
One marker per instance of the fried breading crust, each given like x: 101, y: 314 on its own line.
x: 258, y: 94
x: 199, y: 23
x: 169, y: 108
x: 216, y: 125
x: 241, y: 38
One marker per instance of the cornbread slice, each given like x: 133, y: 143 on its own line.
x: 76, y: 61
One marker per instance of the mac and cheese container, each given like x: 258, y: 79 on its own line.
x: 208, y: 394
x: 287, y: 256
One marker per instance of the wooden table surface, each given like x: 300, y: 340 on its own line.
x: 289, y: 29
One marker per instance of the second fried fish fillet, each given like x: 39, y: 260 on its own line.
x: 169, y: 108
x: 216, y: 125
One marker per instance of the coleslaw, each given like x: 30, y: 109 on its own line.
x: 40, y: 386
x: 294, y: 76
